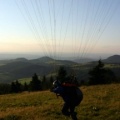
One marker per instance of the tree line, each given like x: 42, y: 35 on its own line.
x: 97, y: 75
x: 35, y: 85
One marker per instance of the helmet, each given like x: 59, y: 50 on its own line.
x: 56, y: 83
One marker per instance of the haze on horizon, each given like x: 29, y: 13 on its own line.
x: 59, y: 28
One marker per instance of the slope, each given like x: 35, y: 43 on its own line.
x: 96, y: 105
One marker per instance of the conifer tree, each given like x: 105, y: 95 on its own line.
x: 35, y: 84
x: 13, y: 87
x: 51, y: 81
x: 61, y: 74
x: 44, y: 83
x: 18, y: 86
x: 25, y: 87
x: 100, y: 75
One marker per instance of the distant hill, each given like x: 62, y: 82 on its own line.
x: 84, y: 60
x: 21, y: 59
x: 113, y: 59
x: 13, y: 60
x: 14, y: 69
x: 41, y: 60
x: 50, y: 61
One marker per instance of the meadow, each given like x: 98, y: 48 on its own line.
x: 100, y: 102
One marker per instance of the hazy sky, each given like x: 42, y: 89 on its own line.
x: 53, y: 27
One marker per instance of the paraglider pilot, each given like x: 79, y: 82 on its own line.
x: 71, y: 95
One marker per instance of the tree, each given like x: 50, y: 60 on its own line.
x: 44, y: 83
x: 35, y: 84
x: 51, y: 81
x: 100, y: 75
x: 13, y: 87
x: 61, y: 75
x: 16, y: 87
x: 25, y: 87
x: 5, y: 88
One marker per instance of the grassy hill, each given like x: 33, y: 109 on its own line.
x: 101, y: 102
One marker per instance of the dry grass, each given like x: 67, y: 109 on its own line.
x: 100, y: 102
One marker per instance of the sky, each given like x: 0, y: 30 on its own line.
x: 57, y: 28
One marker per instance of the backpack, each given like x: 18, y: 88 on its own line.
x: 79, y: 96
